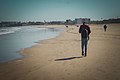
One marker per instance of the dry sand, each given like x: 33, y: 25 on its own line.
x: 60, y: 58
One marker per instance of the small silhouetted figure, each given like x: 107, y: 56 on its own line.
x: 105, y: 27
x: 85, y: 31
x: 66, y: 26
x: 77, y: 25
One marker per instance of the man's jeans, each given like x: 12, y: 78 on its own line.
x: 84, y: 45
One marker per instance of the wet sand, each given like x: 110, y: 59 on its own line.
x: 60, y: 58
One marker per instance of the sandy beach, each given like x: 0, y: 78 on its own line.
x: 60, y: 58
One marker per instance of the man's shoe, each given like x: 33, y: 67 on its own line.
x: 85, y: 55
x: 82, y: 54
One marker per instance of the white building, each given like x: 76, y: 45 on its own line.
x: 81, y: 20
x: 69, y: 21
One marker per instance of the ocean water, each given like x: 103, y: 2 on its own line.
x: 14, y: 39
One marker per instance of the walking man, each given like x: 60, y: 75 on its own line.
x: 85, y: 31
x: 105, y: 27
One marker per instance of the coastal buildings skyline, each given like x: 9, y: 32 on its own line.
x: 76, y: 21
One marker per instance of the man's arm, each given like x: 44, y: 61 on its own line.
x: 89, y: 31
x: 80, y: 29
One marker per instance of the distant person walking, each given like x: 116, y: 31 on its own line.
x: 105, y: 27
x: 85, y: 31
x: 66, y: 26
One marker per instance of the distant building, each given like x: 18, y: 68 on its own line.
x: 78, y: 20
x: 81, y: 20
x: 10, y: 24
x: 69, y: 21
x: 57, y: 22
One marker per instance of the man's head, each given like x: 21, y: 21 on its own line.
x: 83, y: 23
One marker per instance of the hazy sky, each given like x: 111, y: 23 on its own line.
x: 51, y: 10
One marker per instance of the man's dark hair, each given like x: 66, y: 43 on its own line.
x: 83, y: 23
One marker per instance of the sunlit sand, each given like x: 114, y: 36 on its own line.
x: 60, y: 58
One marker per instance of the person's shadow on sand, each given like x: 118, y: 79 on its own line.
x: 70, y: 58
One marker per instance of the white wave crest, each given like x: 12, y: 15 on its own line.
x: 8, y: 30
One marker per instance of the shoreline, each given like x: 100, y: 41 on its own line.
x: 24, y: 55
x: 60, y: 58
x: 40, y: 42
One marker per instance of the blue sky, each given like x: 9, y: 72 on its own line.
x: 60, y: 10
